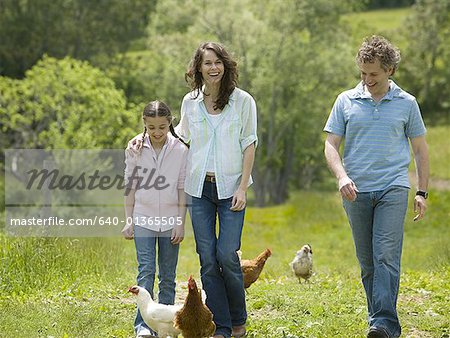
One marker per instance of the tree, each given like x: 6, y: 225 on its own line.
x: 375, y: 4
x: 426, y: 65
x: 64, y: 104
x: 293, y: 58
x: 83, y: 29
x: 302, y: 60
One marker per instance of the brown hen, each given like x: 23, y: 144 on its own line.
x: 251, y: 268
x: 194, y: 320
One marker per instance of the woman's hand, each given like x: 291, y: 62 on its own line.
x: 177, y: 234
x: 128, y: 231
x: 239, y: 200
x: 135, y: 144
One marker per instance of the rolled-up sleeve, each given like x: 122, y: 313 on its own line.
x: 182, y: 129
x: 182, y: 175
x: 130, y: 177
x: 249, y: 124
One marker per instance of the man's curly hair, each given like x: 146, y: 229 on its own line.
x: 377, y: 47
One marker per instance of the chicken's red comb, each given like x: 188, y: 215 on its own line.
x: 132, y: 289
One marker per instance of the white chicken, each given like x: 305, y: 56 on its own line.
x: 157, y: 316
x: 302, y: 264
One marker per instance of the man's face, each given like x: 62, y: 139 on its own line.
x: 374, y: 77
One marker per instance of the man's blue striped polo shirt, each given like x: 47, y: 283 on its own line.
x: 376, y: 148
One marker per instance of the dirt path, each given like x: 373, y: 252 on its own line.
x: 434, y: 183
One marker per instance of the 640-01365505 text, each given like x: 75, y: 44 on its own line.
x: 96, y: 221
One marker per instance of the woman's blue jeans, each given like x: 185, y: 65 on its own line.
x: 377, y: 222
x: 145, y: 241
x: 220, y: 267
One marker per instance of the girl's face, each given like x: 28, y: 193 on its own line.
x: 212, y: 68
x: 157, y: 129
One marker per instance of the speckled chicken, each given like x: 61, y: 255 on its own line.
x: 251, y: 268
x: 194, y: 320
x: 302, y: 264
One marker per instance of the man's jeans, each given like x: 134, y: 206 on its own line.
x: 145, y: 241
x: 377, y: 221
x: 220, y: 267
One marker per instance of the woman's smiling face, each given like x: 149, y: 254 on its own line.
x: 212, y: 68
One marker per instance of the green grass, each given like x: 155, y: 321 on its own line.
x: 383, y: 22
x: 77, y: 287
x: 67, y: 287
x: 437, y: 138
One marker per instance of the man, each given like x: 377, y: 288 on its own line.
x: 376, y: 119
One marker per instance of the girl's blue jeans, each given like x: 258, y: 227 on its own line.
x: 220, y: 267
x: 146, y: 241
x: 377, y: 221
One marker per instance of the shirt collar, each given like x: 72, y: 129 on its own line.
x: 394, y: 91
x: 200, y: 96
x: 147, y: 143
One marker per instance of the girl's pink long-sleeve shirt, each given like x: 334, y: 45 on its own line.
x: 157, y: 179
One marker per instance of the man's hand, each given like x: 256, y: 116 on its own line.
x: 420, y: 206
x: 348, y: 188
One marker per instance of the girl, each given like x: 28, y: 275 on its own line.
x: 155, y: 204
x: 219, y: 120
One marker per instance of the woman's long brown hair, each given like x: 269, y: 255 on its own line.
x: 228, y: 83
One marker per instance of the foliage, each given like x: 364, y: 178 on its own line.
x: 437, y: 138
x: 77, y: 287
x: 294, y: 58
x: 301, y: 59
x: 286, y: 53
x: 426, y: 69
x: 372, y: 4
x: 82, y: 29
x: 382, y: 22
x: 63, y: 104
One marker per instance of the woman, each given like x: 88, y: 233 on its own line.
x: 219, y: 121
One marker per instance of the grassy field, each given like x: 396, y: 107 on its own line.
x: 383, y: 22
x: 76, y: 287
x: 69, y: 287
x: 64, y: 287
x: 440, y: 153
